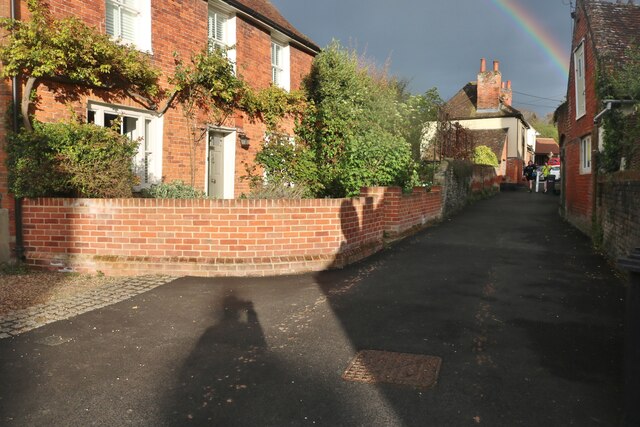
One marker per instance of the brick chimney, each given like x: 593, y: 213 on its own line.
x: 507, y: 94
x: 489, y: 87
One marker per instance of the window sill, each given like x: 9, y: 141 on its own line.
x: 142, y: 49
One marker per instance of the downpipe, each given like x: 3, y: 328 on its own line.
x: 19, y: 246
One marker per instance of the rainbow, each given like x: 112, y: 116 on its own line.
x: 532, y: 28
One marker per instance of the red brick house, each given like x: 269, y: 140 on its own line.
x: 265, y: 48
x: 484, y: 107
x: 602, y: 33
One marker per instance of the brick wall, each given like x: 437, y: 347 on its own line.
x: 405, y: 212
x: 513, y: 174
x: 218, y: 237
x: 578, y: 190
x: 619, y: 213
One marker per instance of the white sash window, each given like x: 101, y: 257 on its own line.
x: 130, y: 22
x: 137, y: 125
x: 280, y: 74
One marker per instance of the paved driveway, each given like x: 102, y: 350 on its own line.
x: 526, y: 318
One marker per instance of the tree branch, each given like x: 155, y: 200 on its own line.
x: 26, y: 101
x: 141, y: 99
x: 169, y: 102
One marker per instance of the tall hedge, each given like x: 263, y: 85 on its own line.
x: 354, y: 125
x: 70, y: 159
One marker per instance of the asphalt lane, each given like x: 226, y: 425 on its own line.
x: 526, y: 318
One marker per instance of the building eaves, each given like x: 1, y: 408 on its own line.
x: 264, y: 12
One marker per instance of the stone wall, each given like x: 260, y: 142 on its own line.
x: 462, y: 181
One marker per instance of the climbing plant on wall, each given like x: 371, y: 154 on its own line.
x: 78, y: 59
x: 68, y: 51
x: 622, y: 131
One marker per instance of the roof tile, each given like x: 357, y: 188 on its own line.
x: 492, y: 138
x: 264, y: 11
x: 615, y: 26
x: 463, y: 105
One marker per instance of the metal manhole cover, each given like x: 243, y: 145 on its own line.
x: 373, y: 366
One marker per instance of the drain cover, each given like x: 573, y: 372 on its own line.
x: 373, y: 366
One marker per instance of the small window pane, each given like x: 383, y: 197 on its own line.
x: 112, y: 18
x: 128, y: 26
x: 217, y: 29
x: 110, y: 119
x: 122, y: 19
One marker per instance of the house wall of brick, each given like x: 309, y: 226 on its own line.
x: 618, y: 213
x: 6, y: 201
x: 176, y: 27
x: 218, y: 237
x: 254, y: 65
x: 578, y: 187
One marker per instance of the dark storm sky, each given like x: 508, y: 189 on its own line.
x: 440, y: 42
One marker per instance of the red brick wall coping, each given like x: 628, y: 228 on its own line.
x: 219, y: 237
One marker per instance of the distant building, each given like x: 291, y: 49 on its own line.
x: 545, y: 149
x: 484, y: 107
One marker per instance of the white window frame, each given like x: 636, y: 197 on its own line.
x: 228, y: 40
x: 142, y: 37
x: 280, y: 65
x: 147, y: 163
x: 585, y: 155
x: 580, y: 80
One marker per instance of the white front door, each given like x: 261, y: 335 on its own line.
x: 215, y: 187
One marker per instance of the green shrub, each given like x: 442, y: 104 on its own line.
x: 285, y: 162
x: 483, y: 155
x: 174, y: 190
x: 70, y: 159
x: 277, y: 190
x: 34, y: 170
x: 354, y: 125
x: 377, y: 158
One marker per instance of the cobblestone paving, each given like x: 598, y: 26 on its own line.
x: 16, y: 322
